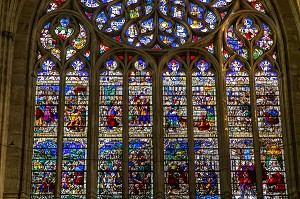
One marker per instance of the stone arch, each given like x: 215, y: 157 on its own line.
x: 17, y: 22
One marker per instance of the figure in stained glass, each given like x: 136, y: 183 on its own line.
x: 191, y: 88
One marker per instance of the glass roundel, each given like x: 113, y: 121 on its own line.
x: 156, y: 23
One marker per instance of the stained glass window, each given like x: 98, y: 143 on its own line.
x: 270, y: 131
x: 75, y: 132
x: 45, y: 131
x: 140, y: 163
x: 205, y: 131
x: 110, y: 131
x: 158, y: 98
x: 240, y: 131
x: 175, y: 131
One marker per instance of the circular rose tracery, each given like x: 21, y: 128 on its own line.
x: 173, y: 23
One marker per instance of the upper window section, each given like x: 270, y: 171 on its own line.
x: 163, y: 24
x: 156, y: 24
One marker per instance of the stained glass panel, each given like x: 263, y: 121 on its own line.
x: 110, y: 168
x: 48, y: 42
x: 176, y: 22
x: 75, y: 132
x: 140, y: 163
x: 45, y: 132
x: 175, y: 132
x: 240, y: 132
x: 205, y: 132
x: 110, y: 131
x: 270, y: 132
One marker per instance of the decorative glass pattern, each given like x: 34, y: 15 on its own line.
x: 240, y: 132
x: 124, y: 146
x: 257, y: 5
x: 54, y: 5
x: 64, y: 30
x: 110, y: 131
x: 205, y: 132
x: 45, y: 132
x: 177, y: 22
x: 175, y: 132
x: 140, y: 163
x: 249, y: 33
x: 270, y: 131
x: 75, y: 132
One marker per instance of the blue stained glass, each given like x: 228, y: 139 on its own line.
x: 202, y: 65
x: 236, y: 65
x: 232, y: 40
x: 64, y: 22
x: 110, y: 167
x: 75, y: 134
x: 270, y: 131
x: 111, y: 64
x: 140, y: 132
x: 178, y: 2
x: 147, y: 25
x: 165, y: 25
x: 177, y: 12
x: 78, y: 65
x: 168, y: 40
x: 145, y: 40
x: 101, y: 19
x: 181, y: 32
x: 265, y: 65
x: 115, y: 10
x: 45, y: 132
x: 110, y: 132
x: 116, y: 25
x: 222, y: 3
x: 112, y: 16
x: 48, y: 65
x: 196, y: 10
x: 90, y: 3
x: 176, y: 167
x: 249, y: 30
x: 106, y: 1
x: 211, y: 19
x: 174, y: 65
x: 140, y: 65
x: 240, y: 132
x: 129, y: 2
x: 131, y: 33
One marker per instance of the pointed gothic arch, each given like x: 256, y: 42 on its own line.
x: 180, y: 54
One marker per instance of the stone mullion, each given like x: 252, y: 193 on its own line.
x: 159, y: 137
x: 289, y: 159
x: 222, y: 122
x: 255, y: 132
x: 60, y: 134
x: 155, y: 136
x: 190, y: 133
x: 92, y: 136
x: 125, y: 131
